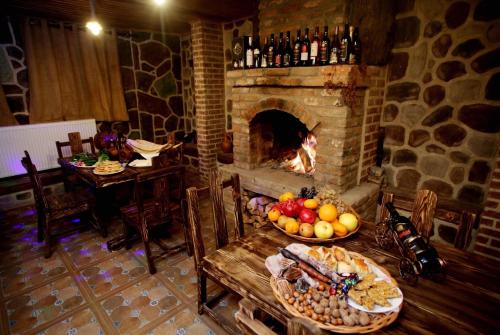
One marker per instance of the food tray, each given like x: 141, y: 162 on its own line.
x: 379, y: 321
x: 315, y: 240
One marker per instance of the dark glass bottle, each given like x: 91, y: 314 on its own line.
x: 263, y: 53
x: 270, y: 52
x: 335, y: 47
x: 287, y: 53
x: 315, y: 45
x: 324, y: 49
x: 278, y: 58
x: 305, y: 49
x: 350, y: 50
x: 249, y: 54
x: 356, y: 46
x: 296, y: 50
x: 256, y: 53
x: 345, y: 42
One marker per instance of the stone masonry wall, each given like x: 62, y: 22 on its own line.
x: 13, y: 70
x: 441, y: 110
x: 276, y: 16
x: 208, y: 61
x: 188, y: 83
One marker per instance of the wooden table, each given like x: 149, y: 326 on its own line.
x: 468, y: 302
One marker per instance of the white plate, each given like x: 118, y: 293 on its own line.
x: 108, y: 173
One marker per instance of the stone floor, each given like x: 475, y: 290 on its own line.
x: 85, y: 289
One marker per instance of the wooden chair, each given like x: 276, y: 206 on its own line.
x: 52, y: 209
x: 149, y: 214
x: 75, y: 143
x: 423, y: 211
x: 215, y: 190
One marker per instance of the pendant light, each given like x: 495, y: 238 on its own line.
x: 93, y: 25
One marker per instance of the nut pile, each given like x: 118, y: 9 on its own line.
x: 319, y: 305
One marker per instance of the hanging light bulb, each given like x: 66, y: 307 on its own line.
x: 93, y: 26
x: 159, y: 2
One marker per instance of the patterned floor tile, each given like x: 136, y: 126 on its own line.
x: 136, y: 306
x: 183, y: 323
x: 85, y: 252
x: 81, y: 323
x: 30, y: 273
x: 42, y: 304
x: 113, y: 273
x: 227, y: 307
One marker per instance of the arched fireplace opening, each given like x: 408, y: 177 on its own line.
x: 279, y: 139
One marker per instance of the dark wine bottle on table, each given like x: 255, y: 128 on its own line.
x: 315, y: 43
x: 287, y: 53
x: 256, y: 53
x: 270, y: 52
x: 305, y: 49
x: 335, y: 47
x: 296, y: 50
x: 345, y: 43
x: 324, y: 49
x: 278, y: 58
x: 356, y: 46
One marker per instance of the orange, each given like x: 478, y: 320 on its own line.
x: 327, y: 212
x: 286, y: 196
x: 292, y: 226
x: 340, y: 229
x: 311, y: 204
x: 274, y: 214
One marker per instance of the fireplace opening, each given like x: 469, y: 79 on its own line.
x: 280, y: 140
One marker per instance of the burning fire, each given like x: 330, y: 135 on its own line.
x: 305, y: 160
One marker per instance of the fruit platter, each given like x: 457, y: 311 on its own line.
x: 84, y: 160
x: 314, y: 216
x: 336, y: 289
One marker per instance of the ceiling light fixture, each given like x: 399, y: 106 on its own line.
x: 159, y: 2
x: 93, y: 25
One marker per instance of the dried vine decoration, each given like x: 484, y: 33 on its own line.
x: 347, y: 90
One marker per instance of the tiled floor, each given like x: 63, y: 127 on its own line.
x: 85, y: 289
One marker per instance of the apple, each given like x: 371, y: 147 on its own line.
x: 349, y: 221
x: 306, y: 230
x: 300, y: 202
x: 307, y: 215
x: 282, y: 221
x: 290, y: 208
x: 323, y: 229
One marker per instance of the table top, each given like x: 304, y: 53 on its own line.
x: 467, y: 302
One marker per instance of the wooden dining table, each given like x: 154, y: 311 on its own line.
x: 466, y: 302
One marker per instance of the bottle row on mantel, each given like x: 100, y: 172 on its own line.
x: 305, y: 51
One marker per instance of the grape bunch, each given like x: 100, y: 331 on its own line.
x: 308, y: 193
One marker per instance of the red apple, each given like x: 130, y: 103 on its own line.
x: 300, y: 202
x: 307, y: 215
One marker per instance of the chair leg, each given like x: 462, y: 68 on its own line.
x: 202, y: 290
x: 187, y: 234
x: 127, y: 235
x: 147, y: 249
x: 48, y: 239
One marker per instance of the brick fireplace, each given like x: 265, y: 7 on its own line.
x: 339, y: 118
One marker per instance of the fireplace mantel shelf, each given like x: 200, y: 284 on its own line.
x: 312, y: 76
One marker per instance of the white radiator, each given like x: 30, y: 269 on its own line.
x: 40, y: 141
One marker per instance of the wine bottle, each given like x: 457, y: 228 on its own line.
x: 270, y: 52
x: 278, y: 58
x: 350, y: 49
x: 296, y: 50
x: 256, y: 53
x: 313, y: 58
x: 334, y: 49
x: 324, y: 50
x: 249, y: 54
x: 345, y: 42
x: 305, y: 49
x: 356, y: 46
x: 287, y: 53
x: 263, y: 62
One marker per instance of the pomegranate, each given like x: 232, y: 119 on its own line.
x: 307, y: 215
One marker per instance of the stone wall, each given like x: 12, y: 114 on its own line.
x: 441, y: 110
x: 13, y: 71
x: 152, y: 80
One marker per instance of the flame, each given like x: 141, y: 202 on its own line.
x: 309, y: 148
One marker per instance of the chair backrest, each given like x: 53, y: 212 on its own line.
x: 36, y: 183
x: 220, y: 226
x: 168, y: 184
x: 301, y: 326
x: 464, y: 231
x: 75, y: 144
